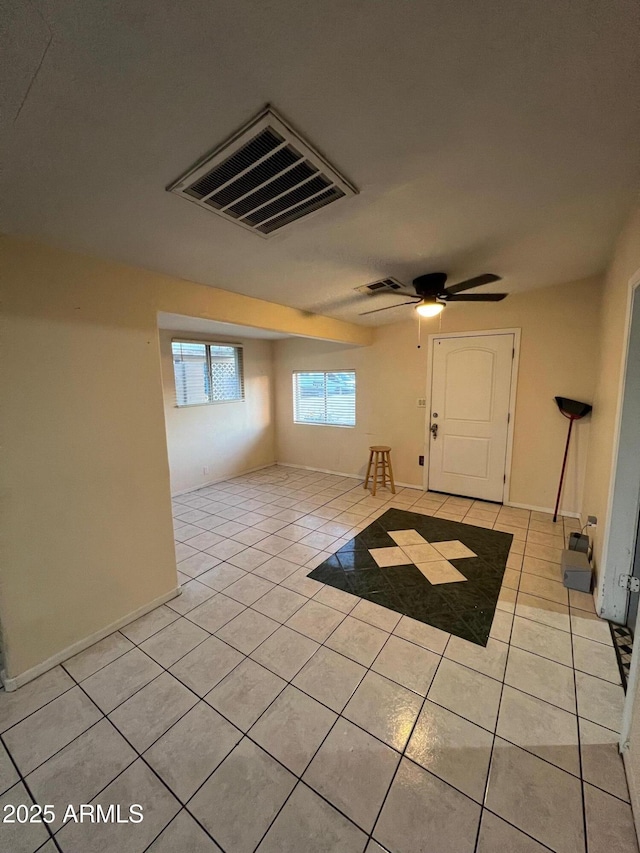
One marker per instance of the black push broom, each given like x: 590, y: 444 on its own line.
x: 573, y: 410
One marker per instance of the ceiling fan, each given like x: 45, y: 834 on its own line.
x: 432, y: 295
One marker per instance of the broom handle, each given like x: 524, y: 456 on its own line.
x: 564, y: 465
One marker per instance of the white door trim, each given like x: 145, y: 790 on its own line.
x: 512, y: 397
x: 618, y: 537
x: 619, y: 528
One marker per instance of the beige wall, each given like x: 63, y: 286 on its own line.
x: 558, y: 356
x: 84, y: 478
x: 224, y: 438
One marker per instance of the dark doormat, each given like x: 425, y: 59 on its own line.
x: 440, y: 572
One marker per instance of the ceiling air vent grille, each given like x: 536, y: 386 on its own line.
x: 388, y: 285
x: 264, y: 178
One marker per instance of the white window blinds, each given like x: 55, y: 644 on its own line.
x: 207, y: 373
x: 324, y: 398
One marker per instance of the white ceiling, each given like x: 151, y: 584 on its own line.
x: 499, y: 136
x: 181, y: 323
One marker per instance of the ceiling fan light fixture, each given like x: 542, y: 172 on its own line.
x: 429, y: 308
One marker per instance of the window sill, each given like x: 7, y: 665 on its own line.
x: 335, y: 426
x: 210, y: 403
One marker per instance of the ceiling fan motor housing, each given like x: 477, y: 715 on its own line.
x: 430, y: 284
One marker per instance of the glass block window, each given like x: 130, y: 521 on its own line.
x: 207, y: 373
x: 325, y: 398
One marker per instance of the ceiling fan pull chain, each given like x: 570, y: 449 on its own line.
x: 419, y: 331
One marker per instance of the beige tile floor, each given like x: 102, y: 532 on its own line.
x: 262, y: 710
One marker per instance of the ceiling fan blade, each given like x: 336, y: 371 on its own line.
x: 388, y: 307
x: 486, y: 278
x: 476, y: 297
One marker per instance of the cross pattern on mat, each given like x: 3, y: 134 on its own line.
x: 430, y: 558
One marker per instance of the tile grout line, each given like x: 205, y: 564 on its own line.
x: 370, y: 669
x: 403, y: 753
x: 22, y: 779
x: 289, y: 682
x: 248, y: 656
x: 338, y: 716
x: 184, y: 806
x: 519, y: 829
x: 483, y: 804
x: 31, y: 713
x: 173, y: 819
x: 280, y: 583
x: 140, y: 756
x: 578, y: 733
x: 529, y: 651
x: 244, y: 734
x: 106, y: 715
x: 372, y: 517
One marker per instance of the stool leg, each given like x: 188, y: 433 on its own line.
x: 375, y: 475
x: 366, y: 479
x: 393, y: 485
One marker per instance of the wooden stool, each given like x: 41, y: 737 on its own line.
x: 380, y: 459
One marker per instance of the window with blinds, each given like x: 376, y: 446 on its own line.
x: 207, y: 372
x: 324, y: 398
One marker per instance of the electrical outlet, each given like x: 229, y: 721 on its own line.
x: 422, y: 403
x: 421, y: 460
x: 205, y: 470
x: 592, y: 521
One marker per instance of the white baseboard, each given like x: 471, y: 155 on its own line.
x: 222, y: 479
x: 418, y: 486
x: 342, y: 474
x: 28, y: 675
x: 319, y: 470
x: 542, y: 509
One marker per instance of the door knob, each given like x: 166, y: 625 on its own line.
x: 434, y: 430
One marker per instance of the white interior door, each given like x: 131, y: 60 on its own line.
x: 469, y: 417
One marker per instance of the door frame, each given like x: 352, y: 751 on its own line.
x: 621, y: 528
x: 516, y: 332
x: 623, y: 503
